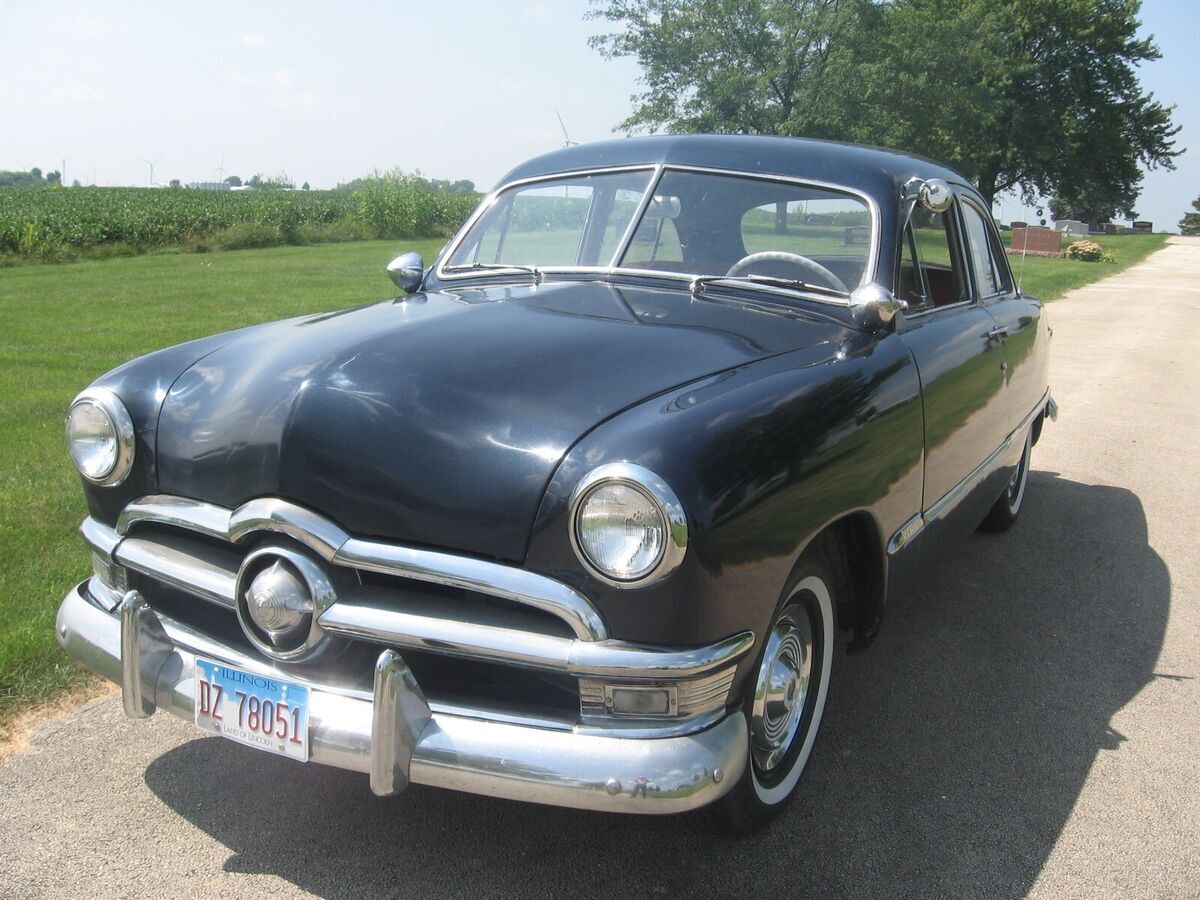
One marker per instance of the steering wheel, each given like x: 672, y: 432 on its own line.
x: 746, y: 262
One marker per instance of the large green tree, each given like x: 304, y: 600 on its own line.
x: 1036, y: 95
x: 1190, y: 223
x: 741, y: 66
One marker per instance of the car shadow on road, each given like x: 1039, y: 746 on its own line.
x: 953, y: 752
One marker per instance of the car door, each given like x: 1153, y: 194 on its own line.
x: 953, y: 340
x: 1018, y: 318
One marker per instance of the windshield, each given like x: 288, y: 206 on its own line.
x: 696, y: 224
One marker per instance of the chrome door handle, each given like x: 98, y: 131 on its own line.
x: 999, y: 334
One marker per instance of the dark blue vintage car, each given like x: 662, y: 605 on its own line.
x: 581, y: 517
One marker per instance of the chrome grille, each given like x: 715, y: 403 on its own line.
x: 430, y: 604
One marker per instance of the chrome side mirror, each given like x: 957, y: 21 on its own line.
x: 873, y: 306
x: 935, y: 195
x: 407, y: 270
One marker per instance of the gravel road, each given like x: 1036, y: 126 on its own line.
x: 1030, y: 725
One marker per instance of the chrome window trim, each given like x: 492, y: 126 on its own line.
x: 320, y: 535
x: 660, y: 169
x: 112, y: 407
x: 660, y: 493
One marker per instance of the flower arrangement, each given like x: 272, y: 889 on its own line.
x: 1090, y: 251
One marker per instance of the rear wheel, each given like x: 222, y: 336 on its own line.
x: 785, y: 700
x: 1003, y: 514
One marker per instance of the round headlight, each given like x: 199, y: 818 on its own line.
x: 627, y: 526
x: 100, y: 437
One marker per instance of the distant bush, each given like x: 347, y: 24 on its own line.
x: 1090, y: 251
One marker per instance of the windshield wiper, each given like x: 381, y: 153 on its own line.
x: 700, y: 282
x: 480, y: 266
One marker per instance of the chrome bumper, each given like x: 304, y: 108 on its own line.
x: 153, y: 659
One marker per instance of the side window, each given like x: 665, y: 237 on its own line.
x: 932, y: 242
x: 990, y: 268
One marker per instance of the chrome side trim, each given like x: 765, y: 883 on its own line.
x: 946, y: 504
x: 604, y: 659
x: 599, y: 771
x: 907, y: 532
x: 337, y: 547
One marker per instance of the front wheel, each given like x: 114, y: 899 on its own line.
x: 1003, y: 514
x: 785, y: 700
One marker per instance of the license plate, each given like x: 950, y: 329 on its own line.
x: 256, y: 710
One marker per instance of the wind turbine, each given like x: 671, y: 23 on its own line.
x: 567, y: 142
x: 220, y: 170
x: 150, y: 163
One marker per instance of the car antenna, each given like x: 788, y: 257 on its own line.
x: 1021, y: 271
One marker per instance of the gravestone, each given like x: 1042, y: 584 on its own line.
x: 1072, y: 227
x: 1143, y: 227
x: 1036, y: 239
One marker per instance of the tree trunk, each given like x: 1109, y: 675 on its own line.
x: 781, y: 217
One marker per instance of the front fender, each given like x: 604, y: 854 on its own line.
x: 762, y: 458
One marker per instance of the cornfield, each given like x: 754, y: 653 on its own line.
x: 52, y: 222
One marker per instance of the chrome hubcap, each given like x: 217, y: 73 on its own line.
x: 782, y: 688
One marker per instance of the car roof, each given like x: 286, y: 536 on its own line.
x: 872, y: 170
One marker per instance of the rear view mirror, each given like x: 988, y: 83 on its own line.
x: 663, y: 207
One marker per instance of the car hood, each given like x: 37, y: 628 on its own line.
x: 439, y: 418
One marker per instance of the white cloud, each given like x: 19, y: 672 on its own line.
x: 252, y: 40
x: 282, y: 77
x: 76, y: 93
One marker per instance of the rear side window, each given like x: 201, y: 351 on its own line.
x: 987, y: 262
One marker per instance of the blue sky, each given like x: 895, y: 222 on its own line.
x: 327, y: 91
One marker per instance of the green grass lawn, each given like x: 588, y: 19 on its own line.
x: 1049, y: 279
x: 62, y: 326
